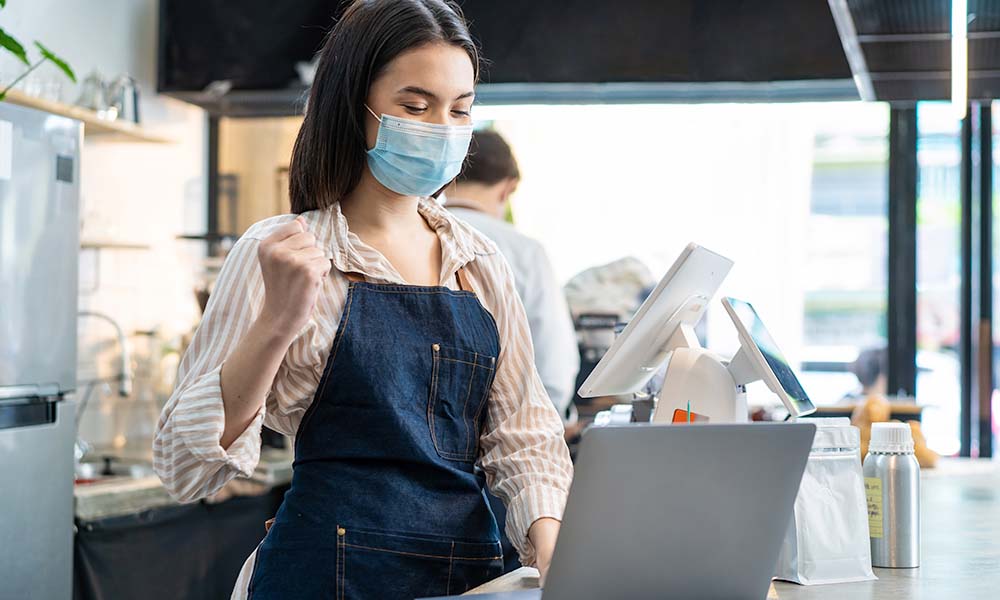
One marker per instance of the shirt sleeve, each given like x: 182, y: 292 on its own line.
x: 557, y: 355
x: 525, y: 457
x: 187, y: 454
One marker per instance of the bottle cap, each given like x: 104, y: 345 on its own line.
x: 891, y: 438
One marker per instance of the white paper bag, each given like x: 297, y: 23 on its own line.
x: 827, y: 539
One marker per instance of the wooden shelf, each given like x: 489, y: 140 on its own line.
x: 93, y: 127
x: 112, y: 244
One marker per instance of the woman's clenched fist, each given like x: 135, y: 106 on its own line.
x: 293, y: 269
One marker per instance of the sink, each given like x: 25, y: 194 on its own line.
x: 110, y: 468
x: 113, y: 486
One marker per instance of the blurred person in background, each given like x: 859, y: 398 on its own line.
x: 480, y: 196
x: 871, y: 368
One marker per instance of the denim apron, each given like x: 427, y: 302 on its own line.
x: 385, y: 501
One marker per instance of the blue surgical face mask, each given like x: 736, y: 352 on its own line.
x: 414, y: 158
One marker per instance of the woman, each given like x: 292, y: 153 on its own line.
x: 383, y: 333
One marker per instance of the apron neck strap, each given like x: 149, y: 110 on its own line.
x: 463, y: 283
x: 460, y: 277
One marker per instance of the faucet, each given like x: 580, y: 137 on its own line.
x: 81, y: 448
x: 124, y: 377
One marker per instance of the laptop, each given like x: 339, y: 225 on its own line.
x: 676, y: 511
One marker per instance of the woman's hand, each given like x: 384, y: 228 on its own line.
x: 543, y: 534
x: 293, y: 269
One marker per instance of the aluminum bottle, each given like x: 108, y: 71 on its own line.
x: 892, y: 484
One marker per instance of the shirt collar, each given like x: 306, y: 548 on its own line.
x: 460, y: 244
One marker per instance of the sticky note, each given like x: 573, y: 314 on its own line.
x: 683, y: 416
x: 873, y: 490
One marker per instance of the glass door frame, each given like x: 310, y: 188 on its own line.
x: 978, y: 380
x: 976, y: 196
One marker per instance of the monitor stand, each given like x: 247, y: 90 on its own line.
x: 715, y: 388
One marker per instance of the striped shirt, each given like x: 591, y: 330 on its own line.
x: 525, y: 459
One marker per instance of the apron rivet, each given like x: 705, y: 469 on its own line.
x: 436, y: 347
x: 341, y: 531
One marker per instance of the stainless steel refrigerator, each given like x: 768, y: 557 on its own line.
x: 39, y: 247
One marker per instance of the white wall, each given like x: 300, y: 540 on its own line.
x: 146, y: 193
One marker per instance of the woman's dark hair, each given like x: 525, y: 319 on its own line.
x: 490, y: 160
x: 330, y: 151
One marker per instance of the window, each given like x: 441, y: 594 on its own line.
x: 939, y: 217
x: 996, y: 274
x: 794, y: 193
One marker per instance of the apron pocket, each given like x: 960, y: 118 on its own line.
x: 382, y: 564
x: 280, y: 573
x: 460, y: 385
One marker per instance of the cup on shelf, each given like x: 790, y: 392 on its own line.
x: 94, y: 96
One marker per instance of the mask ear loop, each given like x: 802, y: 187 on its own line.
x: 377, y: 118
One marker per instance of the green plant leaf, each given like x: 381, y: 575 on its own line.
x: 63, y: 66
x: 3, y: 4
x: 14, y: 47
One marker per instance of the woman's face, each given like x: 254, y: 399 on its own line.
x: 431, y: 83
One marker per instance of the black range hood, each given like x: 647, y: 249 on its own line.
x: 566, y: 51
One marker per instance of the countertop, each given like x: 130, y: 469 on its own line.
x: 960, y: 545
x: 124, y: 496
